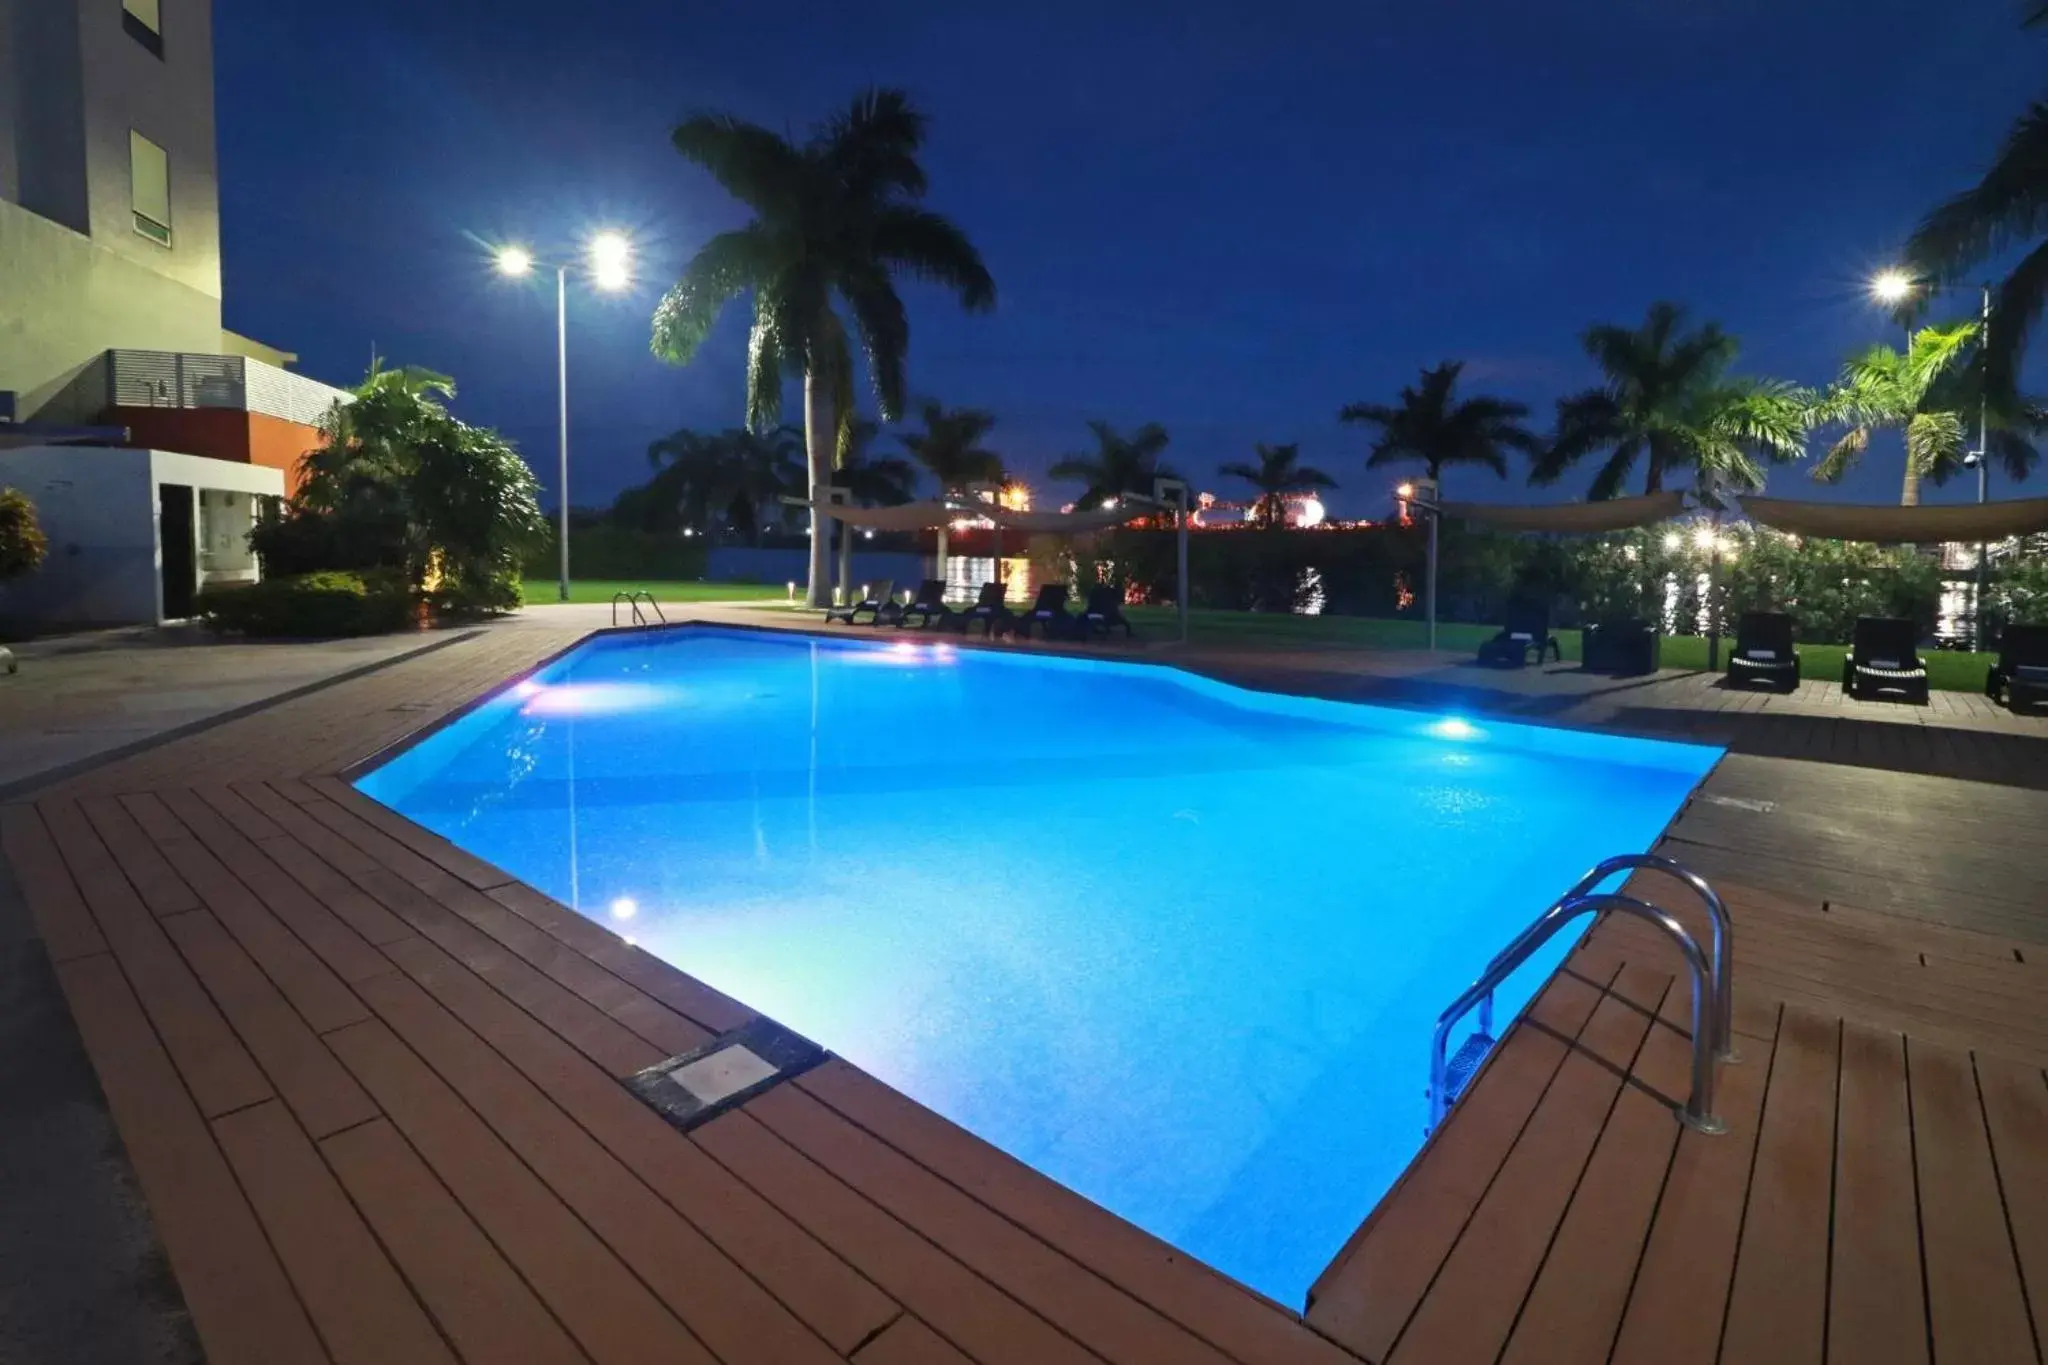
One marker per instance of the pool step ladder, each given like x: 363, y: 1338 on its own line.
x: 632, y: 600
x: 1713, y: 986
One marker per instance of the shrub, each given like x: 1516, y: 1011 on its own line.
x: 617, y: 552
x: 22, y: 543
x: 310, y: 606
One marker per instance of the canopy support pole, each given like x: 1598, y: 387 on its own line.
x: 1161, y: 489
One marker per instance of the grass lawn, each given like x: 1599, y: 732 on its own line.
x: 1948, y: 670
x: 541, y: 592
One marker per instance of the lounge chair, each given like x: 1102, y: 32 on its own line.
x: 927, y: 606
x: 1885, y: 658
x: 1105, y: 612
x: 2020, y: 677
x: 1763, y: 651
x: 1048, y: 614
x: 1526, y: 630
x: 882, y: 600
x: 988, y: 609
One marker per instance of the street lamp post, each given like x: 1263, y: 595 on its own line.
x: 611, y: 269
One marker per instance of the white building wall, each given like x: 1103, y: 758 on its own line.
x: 98, y: 506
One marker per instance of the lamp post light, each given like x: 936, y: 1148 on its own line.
x: 1893, y: 288
x: 610, y: 264
x: 1421, y: 495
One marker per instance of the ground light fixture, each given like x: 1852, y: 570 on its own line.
x: 608, y: 263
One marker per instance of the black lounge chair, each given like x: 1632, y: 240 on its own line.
x: 2020, y: 677
x: 1763, y: 651
x: 1526, y: 630
x: 883, y: 600
x: 1048, y: 613
x: 1885, y: 658
x: 1105, y: 612
x: 987, y: 609
x: 928, y: 606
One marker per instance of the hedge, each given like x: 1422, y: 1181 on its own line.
x: 310, y: 606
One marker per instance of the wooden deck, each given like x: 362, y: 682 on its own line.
x: 370, y: 1090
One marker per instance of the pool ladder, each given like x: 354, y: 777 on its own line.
x: 1713, y: 993
x: 632, y: 600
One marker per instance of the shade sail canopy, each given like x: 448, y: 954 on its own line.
x: 1063, y: 523
x: 911, y: 516
x: 1581, y: 518
x: 1901, y: 525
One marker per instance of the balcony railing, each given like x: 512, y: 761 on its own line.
x: 171, y: 379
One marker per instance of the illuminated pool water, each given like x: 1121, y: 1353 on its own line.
x: 1178, y: 945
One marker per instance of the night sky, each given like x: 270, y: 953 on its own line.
x: 1229, y: 218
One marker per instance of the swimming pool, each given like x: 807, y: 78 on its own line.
x: 1178, y: 945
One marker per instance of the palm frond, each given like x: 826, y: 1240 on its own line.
x: 752, y: 164
x: 1842, y: 455
x: 727, y: 266
x: 2007, y: 206
x: 884, y: 328
x: 1238, y: 469
x: 871, y: 149
x: 1614, y: 473
x: 1934, y: 444
x: 932, y: 248
x: 2015, y: 309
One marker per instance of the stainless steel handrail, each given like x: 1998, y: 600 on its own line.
x: 1698, y: 1112
x: 632, y: 601
x: 1717, y: 913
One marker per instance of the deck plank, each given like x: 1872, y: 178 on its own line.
x: 1777, y: 1305
x: 965, y: 1308
x: 316, y: 1086
x: 1471, y: 1308
x: 1367, y: 1296
x: 1222, y: 1312
x: 843, y: 1306
x: 65, y: 925
x: 615, y: 1317
x: 221, y: 1074
x: 737, y: 1319
x: 1877, y: 1309
x: 1974, y: 1299
x: 356, y: 1298
x: 1575, y: 1307
x: 240, y: 1299
x: 907, y: 1341
x: 159, y: 885
x: 478, y: 1300
x: 469, y: 868
x: 2016, y: 1112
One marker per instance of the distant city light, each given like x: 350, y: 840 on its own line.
x: 1405, y: 492
x: 1310, y: 511
x: 515, y: 261
x: 1108, y: 504
x: 1016, y: 497
x: 1891, y: 286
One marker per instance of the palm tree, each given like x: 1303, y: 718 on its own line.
x: 869, y: 481
x: 1278, y: 472
x: 949, y: 447
x: 1431, y: 425
x: 736, y: 477
x: 1118, y: 464
x: 1670, y: 402
x: 836, y: 218
x: 1883, y: 388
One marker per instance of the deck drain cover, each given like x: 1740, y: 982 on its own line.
x: 727, y: 1071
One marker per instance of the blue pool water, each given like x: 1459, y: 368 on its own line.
x: 1178, y: 945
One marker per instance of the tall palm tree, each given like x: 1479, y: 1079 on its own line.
x: 1278, y: 472
x: 873, y: 480
x: 837, y: 219
x: 950, y: 447
x: 736, y: 476
x: 1882, y: 388
x: 1430, y: 424
x: 1118, y: 464
x: 1670, y: 402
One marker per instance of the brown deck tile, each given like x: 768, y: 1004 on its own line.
x: 478, y: 1300
x: 1974, y: 1299
x: 312, y: 1082
x: 467, y: 867
x: 838, y: 1302
x: 241, y: 1302
x: 2016, y: 1113
x: 1877, y: 1308
x: 725, y: 1308
x: 1777, y: 1307
x: 907, y: 1341
x: 356, y: 1298
x: 66, y: 926
x: 615, y: 1318
x: 159, y: 885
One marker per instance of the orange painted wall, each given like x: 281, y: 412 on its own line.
x: 221, y: 434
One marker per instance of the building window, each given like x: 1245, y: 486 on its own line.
x: 149, y: 184
x: 144, y: 21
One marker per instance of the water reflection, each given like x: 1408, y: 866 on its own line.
x: 964, y: 577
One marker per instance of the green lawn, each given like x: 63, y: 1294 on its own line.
x: 1948, y: 670
x: 541, y: 592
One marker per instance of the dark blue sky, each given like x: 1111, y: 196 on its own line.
x: 1229, y: 218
